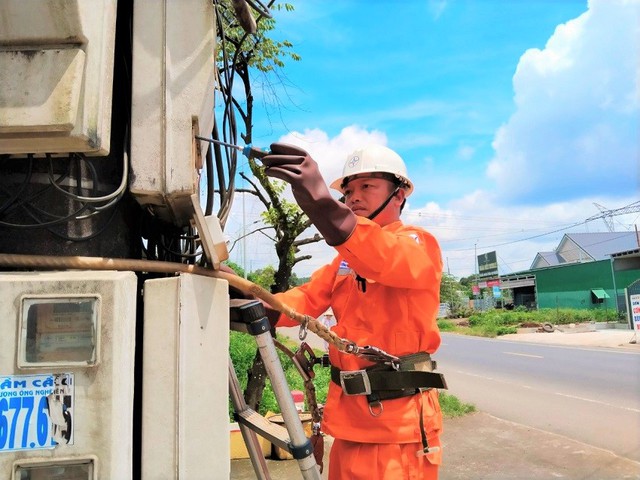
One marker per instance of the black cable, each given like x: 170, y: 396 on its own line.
x: 19, y: 191
x: 87, y: 237
x: 210, y: 186
x: 37, y: 214
x: 260, y: 7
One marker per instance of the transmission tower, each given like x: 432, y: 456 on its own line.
x: 607, y: 215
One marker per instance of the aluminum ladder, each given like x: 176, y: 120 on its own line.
x: 249, y: 316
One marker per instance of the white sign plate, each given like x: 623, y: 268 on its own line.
x: 36, y: 411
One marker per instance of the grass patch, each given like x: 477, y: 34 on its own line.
x: 242, y: 348
x: 498, y: 322
x: 452, y: 407
x: 446, y: 325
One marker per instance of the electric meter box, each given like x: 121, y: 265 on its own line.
x: 56, y: 72
x: 67, y: 374
x: 172, y: 102
x: 185, y: 386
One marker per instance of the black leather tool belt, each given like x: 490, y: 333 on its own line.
x: 383, y: 382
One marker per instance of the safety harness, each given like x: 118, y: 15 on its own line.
x: 386, y: 382
x: 407, y: 376
x: 391, y: 377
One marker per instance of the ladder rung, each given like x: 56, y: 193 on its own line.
x: 275, y: 433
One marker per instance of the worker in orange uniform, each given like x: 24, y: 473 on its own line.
x: 383, y: 288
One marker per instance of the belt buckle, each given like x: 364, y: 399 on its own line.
x: 355, y: 382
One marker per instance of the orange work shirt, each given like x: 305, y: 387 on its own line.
x: 402, y: 266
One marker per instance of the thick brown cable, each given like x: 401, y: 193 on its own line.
x: 126, y: 264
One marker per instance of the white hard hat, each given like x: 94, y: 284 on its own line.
x: 374, y: 159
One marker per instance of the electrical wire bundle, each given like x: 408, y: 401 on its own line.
x: 57, y: 194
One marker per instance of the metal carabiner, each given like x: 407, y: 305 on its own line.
x: 372, y: 354
x: 349, y: 346
x: 302, y: 334
x: 377, y: 355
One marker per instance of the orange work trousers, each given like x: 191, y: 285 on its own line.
x: 379, y: 461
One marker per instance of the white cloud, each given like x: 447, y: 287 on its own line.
x: 466, y: 152
x: 575, y: 130
x: 478, y: 223
x: 330, y: 153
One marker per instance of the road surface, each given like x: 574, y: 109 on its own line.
x: 587, y: 394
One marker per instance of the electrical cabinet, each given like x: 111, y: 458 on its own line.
x: 56, y: 72
x: 185, y: 424
x: 173, y: 92
x: 67, y: 375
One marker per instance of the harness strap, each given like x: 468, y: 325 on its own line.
x: 423, y: 437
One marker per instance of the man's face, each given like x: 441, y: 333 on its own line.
x: 364, y: 195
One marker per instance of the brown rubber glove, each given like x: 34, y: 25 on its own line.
x: 334, y: 220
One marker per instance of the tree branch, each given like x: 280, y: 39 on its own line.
x: 257, y: 191
x: 250, y: 233
x: 305, y: 241
x: 301, y: 258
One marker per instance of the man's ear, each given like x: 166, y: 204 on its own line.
x: 400, y: 195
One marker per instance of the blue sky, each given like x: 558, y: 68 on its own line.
x: 513, y: 116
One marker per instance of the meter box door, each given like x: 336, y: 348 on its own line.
x: 66, y: 375
x: 56, y: 72
x: 185, y: 389
x: 173, y: 82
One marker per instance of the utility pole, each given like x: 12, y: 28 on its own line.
x: 475, y: 259
x: 244, y: 234
x: 475, y: 266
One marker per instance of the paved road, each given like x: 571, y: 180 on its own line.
x: 586, y: 394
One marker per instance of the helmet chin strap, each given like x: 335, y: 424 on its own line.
x: 384, y: 204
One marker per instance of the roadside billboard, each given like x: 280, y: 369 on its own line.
x: 487, y: 265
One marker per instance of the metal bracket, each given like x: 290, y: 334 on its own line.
x: 349, y: 377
